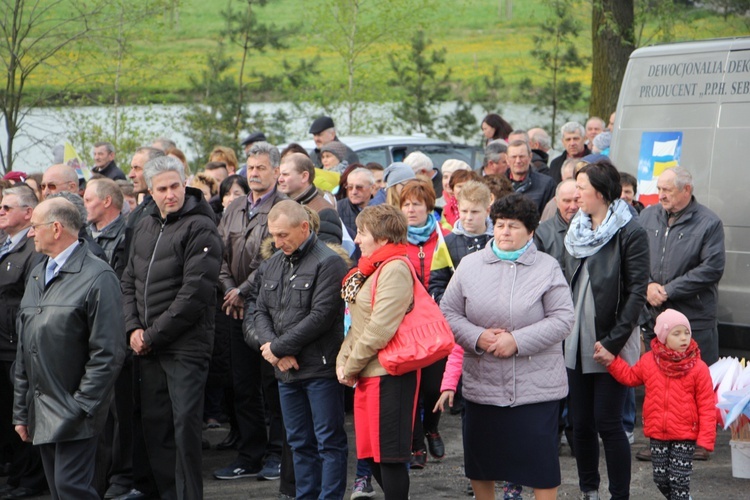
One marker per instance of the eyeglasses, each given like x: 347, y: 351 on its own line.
x: 51, y: 185
x: 35, y: 226
x: 356, y: 187
x: 8, y: 208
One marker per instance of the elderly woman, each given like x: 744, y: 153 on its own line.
x: 607, y: 265
x: 510, y: 309
x: 386, y: 444
x: 425, y: 239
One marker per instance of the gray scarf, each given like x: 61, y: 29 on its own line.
x: 582, y: 241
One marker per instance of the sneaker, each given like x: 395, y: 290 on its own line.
x: 631, y: 437
x: 271, y: 470
x: 362, y: 488
x: 237, y: 470
x: 418, y: 459
x: 590, y: 495
x: 435, y: 445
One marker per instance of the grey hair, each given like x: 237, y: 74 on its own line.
x: 160, y: 165
x: 367, y: 173
x: 569, y: 164
x: 418, y: 161
x: 601, y: 122
x: 165, y: 143
x: 494, y: 149
x: 150, y: 152
x: 24, y: 193
x: 522, y: 132
x: 108, y: 145
x: 104, y: 187
x: 77, y: 202
x: 265, y: 148
x: 682, y: 178
x: 66, y: 213
x: 543, y: 139
x: 573, y: 127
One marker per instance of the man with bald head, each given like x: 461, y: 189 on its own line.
x: 549, y: 237
x: 70, y: 350
x: 59, y: 178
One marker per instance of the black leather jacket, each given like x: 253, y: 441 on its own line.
x: 70, y: 349
x: 300, y: 310
x: 619, y: 279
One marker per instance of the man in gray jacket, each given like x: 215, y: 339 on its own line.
x: 687, y: 259
x: 69, y: 350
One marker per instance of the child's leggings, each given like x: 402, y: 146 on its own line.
x: 673, y: 463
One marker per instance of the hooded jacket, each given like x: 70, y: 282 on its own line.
x: 170, y: 281
x: 70, y: 349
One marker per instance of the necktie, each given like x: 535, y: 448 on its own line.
x: 5, y: 248
x: 50, y: 272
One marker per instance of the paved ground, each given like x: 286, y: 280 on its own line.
x: 712, y: 480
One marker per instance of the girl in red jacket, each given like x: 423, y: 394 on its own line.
x: 679, y: 409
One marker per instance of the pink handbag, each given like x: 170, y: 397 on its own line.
x: 422, y: 338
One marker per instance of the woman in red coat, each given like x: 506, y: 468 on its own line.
x: 679, y: 409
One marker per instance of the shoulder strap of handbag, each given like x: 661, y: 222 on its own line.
x: 382, y: 264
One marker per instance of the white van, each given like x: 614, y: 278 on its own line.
x: 689, y: 104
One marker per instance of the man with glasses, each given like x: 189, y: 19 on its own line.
x: 17, y: 259
x: 359, y: 189
x: 59, y: 178
x: 69, y: 351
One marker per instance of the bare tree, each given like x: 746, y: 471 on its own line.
x: 34, y: 32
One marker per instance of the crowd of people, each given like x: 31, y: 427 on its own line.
x: 143, y: 308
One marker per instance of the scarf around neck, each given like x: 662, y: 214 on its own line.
x: 420, y: 235
x: 354, y: 280
x: 672, y: 363
x: 583, y: 241
x: 511, y: 255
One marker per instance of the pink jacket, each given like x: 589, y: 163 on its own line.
x: 453, y: 369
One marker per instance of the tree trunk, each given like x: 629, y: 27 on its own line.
x: 612, y: 43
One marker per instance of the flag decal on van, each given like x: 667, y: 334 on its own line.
x: 659, y: 151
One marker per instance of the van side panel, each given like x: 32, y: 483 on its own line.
x: 701, y: 89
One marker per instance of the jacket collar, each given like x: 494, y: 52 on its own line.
x: 195, y: 204
x: 303, y: 249
x: 527, y: 258
x: 307, y: 196
x: 73, y: 265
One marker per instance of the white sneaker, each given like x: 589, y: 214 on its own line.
x: 631, y: 437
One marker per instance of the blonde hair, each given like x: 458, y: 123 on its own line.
x: 475, y: 192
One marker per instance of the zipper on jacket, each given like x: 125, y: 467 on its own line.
x: 663, y: 253
x: 148, y: 274
x: 421, y: 264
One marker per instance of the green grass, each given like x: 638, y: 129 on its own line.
x: 476, y: 37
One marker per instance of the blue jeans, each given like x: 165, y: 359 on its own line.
x: 313, y: 412
x: 628, y: 410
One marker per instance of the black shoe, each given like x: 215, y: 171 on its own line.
x: 116, y: 490
x: 435, y: 445
x: 22, y: 492
x: 230, y: 442
x: 131, y: 495
x: 418, y: 459
x: 6, y: 488
x: 5, y: 468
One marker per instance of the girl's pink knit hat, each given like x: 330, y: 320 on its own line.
x: 668, y: 320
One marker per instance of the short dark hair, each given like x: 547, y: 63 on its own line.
x: 301, y: 163
x: 294, y: 148
x: 461, y: 176
x: 230, y: 181
x: 627, y: 179
x: 500, y: 186
x: 216, y: 165
x: 603, y: 177
x: 517, y: 207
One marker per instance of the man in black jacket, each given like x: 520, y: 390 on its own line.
x: 169, y: 291
x: 17, y: 259
x: 103, y: 201
x: 299, y: 325
x: 104, y: 161
x: 538, y: 187
x: 573, y: 137
x: 69, y: 351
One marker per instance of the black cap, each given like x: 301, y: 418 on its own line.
x: 321, y: 124
x: 254, y: 137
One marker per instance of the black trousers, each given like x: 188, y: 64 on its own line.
x: 26, y: 466
x: 254, y: 381
x: 429, y: 393
x: 171, y: 390
x: 69, y: 467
